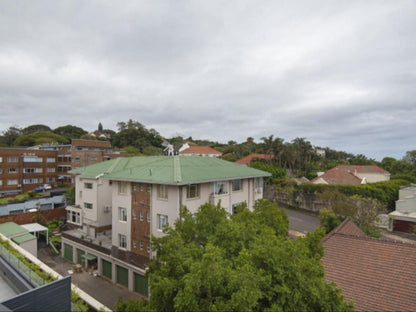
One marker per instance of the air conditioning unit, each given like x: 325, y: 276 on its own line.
x: 107, y: 209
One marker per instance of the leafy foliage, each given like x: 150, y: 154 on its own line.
x: 245, y: 262
x: 39, y: 137
x: 36, y: 128
x: 328, y: 219
x: 70, y: 132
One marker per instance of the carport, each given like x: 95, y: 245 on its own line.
x: 35, y: 228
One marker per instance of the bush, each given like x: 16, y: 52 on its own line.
x: 328, y: 219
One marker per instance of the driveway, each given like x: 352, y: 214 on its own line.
x: 99, y: 288
x: 302, y: 221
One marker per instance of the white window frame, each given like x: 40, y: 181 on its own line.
x: 50, y: 169
x: 162, y: 221
x: 122, y: 187
x: 122, y: 214
x: 87, y: 185
x: 122, y: 241
x: 50, y: 159
x: 162, y: 191
x: 13, y: 170
x: 141, y: 215
x: 12, y: 182
x: 87, y: 204
x: 237, y: 185
x: 219, y: 188
x: 189, y: 191
x: 12, y: 159
x: 148, y: 216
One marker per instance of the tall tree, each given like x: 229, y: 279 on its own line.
x: 36, y: 128
x: 212, y: 262
x: 100, y: 127
x: 11, y: 134
x: 70, y: 132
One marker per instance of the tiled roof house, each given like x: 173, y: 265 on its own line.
x: 200, y: 151
x: 377, y: 275
x: 248, y: 159
x: 352, y: 175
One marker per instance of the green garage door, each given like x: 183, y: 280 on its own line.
x: 107, y: 269
x: 141, y: 284
x: 68, y: 255
x: 80, y: 259
x: 122, y: 276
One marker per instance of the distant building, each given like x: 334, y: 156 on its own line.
x: 248, y: 159
x: 404, y: 217
x: 23, y: 169
x: 200, y: 151
x: 352, y: 175
x: 320, y: 152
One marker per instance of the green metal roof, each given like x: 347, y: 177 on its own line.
x: 10, y: 229
x: 23, y: 238
x: 176, y: 170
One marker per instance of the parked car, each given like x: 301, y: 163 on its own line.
x: 39, y: 189
x: 47, y: 187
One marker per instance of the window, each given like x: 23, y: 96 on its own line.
x: 141, y: 215
x: 122, y: 214
x: 122, y: 187
x: 122, y: 241
x: 192, y: 191
x: 147, y: 247
x: 50, y: 159
x: 1, y: 171
x: 32, y: 159
x: 237, y: 185
x: 148, y: 216
x: 12, y: 170
x: 258, y: 182
x: 141, y: 245
x: 1, y: 182
x: 33, y: 181
x: 50, y: 180
x: 88, y: 186
x: 162, y: 191
x: 219, y: 188
x: 148, y: 188
x: 12, y: 159
x: 12, y: 182
x: 50, y: 169
x: 162, y: 221
x: 88, y: 205
x: 32, y: 170
x: 134, y: 243
x: 133, y: 213
x: 80, y: 194
x: 1, y: 158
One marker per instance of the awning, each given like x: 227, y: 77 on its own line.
x: 89, y: 257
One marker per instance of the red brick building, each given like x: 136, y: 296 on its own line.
x: 23, y: 169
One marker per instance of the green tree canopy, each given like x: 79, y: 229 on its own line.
x: 70, y: 132
x: 244, y: 262
x: 11, y: 134
x: 36, y: 128
x: 39, y: 137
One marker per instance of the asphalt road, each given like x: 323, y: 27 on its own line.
x: 302, y: 222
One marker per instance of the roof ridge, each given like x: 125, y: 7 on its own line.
x: 374, y: 239
x: 177, y: 169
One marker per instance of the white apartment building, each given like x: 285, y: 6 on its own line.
x: 122, y: 202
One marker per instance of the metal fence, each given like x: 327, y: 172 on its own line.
x: 21, y: 267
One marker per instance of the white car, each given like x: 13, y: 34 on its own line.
x: 47, y: 187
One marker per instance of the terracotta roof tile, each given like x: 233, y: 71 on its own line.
x: 378, y: 275
x: 249, y: 158
x: 200, y: 150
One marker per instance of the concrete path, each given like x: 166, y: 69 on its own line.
x: 99, y: 288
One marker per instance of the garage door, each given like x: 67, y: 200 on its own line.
x: 107, y: 269
x: 141, y: 284
x: 122, y: 276
x: 80, y: 259
x: 68, y: 255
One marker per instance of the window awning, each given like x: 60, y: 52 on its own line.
x: 89, y: 257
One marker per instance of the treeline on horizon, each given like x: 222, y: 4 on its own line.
x: 298, y: 156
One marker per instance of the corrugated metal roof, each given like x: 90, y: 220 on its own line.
x: 23, y: 238
x: 10, y: 228
x: 169, y: 170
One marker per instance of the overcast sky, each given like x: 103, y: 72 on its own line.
x: 340, y: 73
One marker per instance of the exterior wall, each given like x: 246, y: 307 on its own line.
x: 406, y: 205
x: 168, y: 207
x: 141, y: 218
x: 121, y: 200
x: 25, y: 218
x: 404, y: 226
x: 406, y: 192
x: 374, y: 177
x: 31, y: 246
